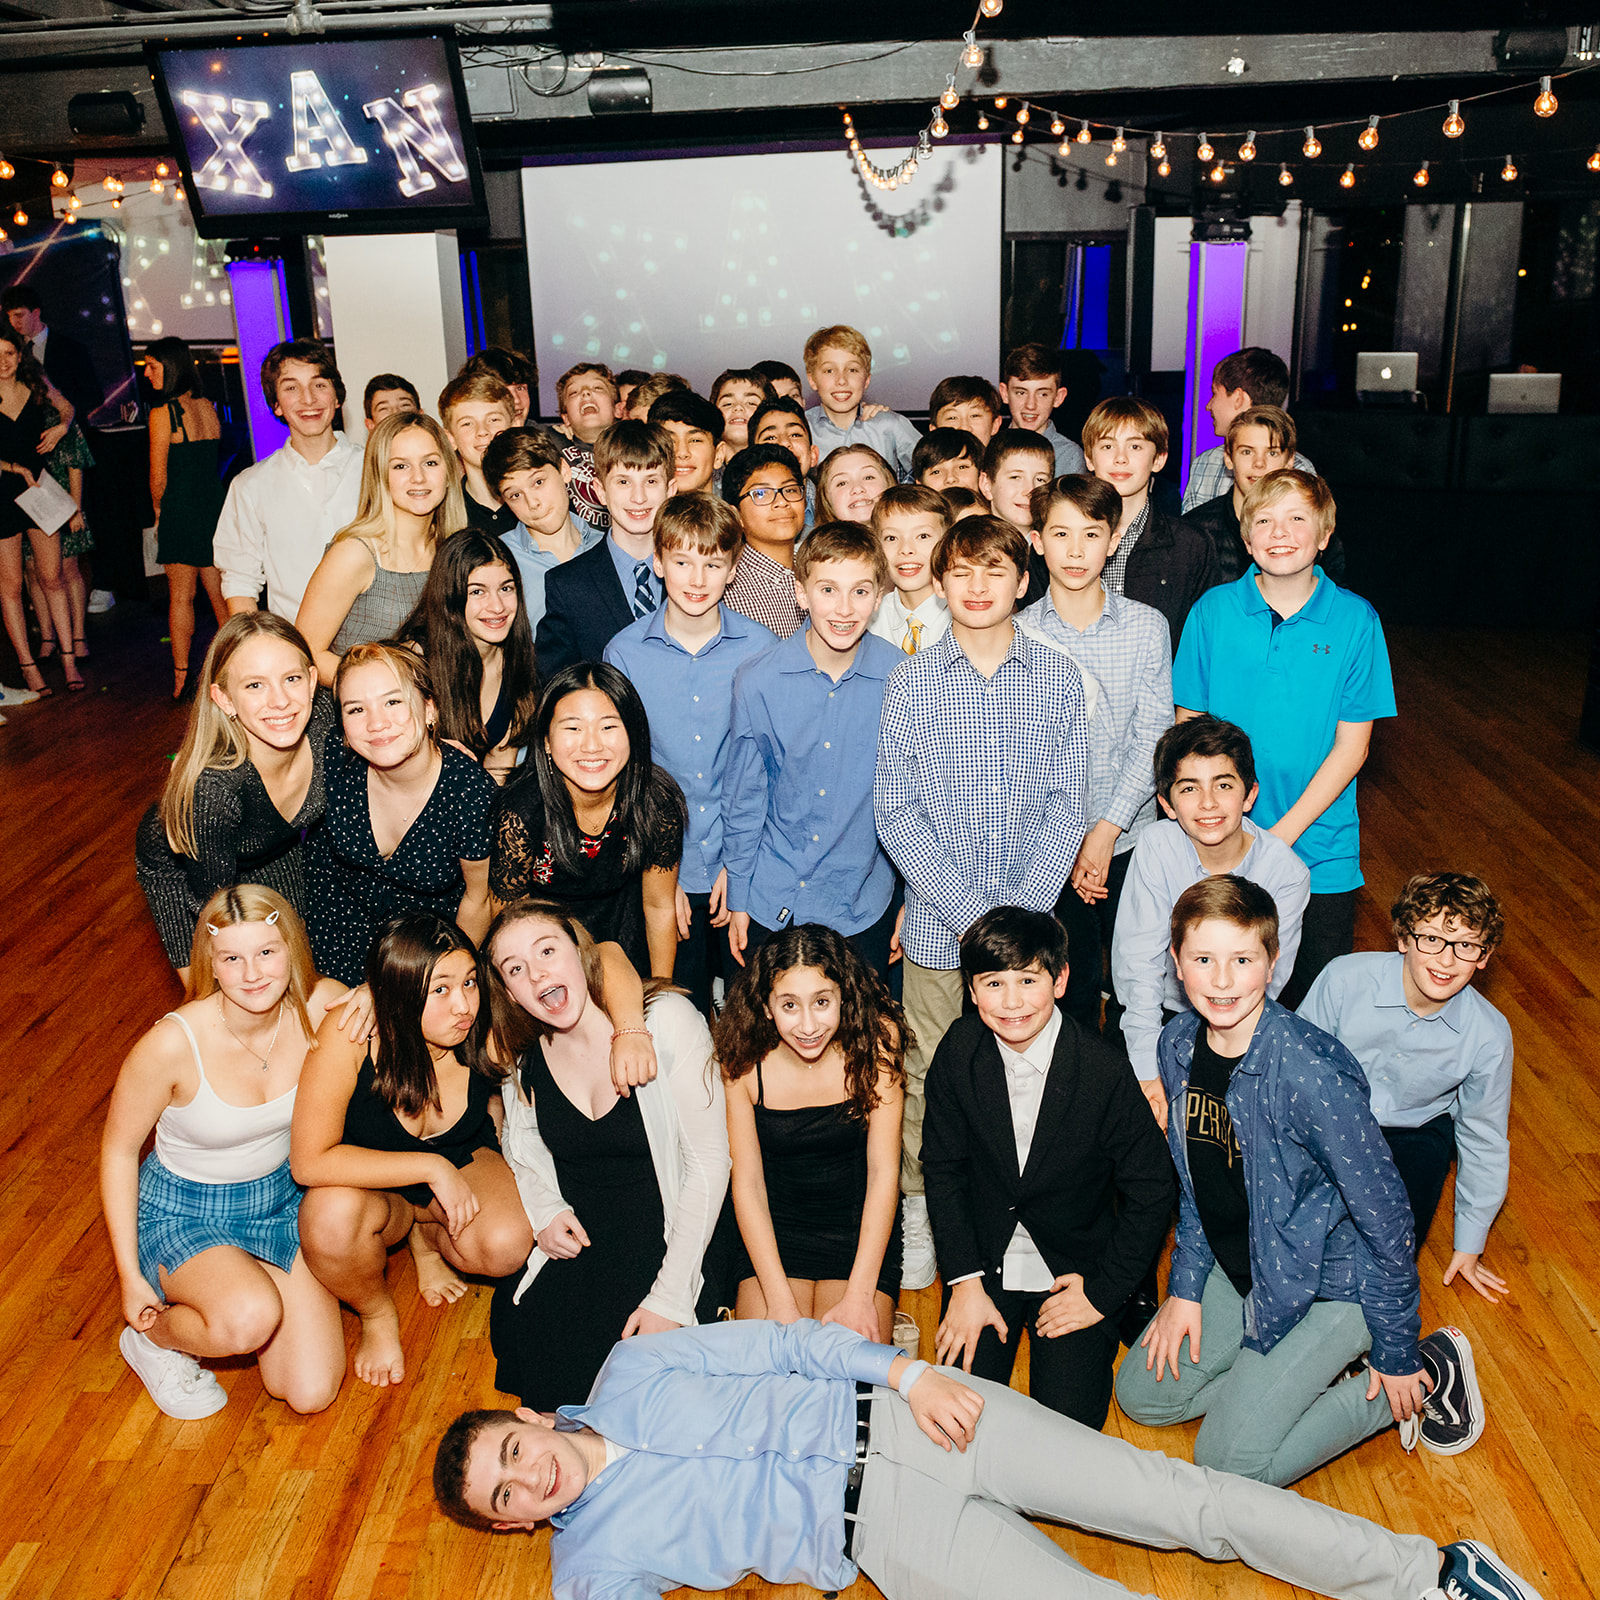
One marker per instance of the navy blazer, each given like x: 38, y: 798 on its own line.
x: 1097, y: 1192
x: 584, y: 610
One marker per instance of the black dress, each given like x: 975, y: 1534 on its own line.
x: 814, y: 1159
x: 19, y: 447
x: 370, y: 1124
x: 551, y: 1346
x: 356, y: 889
x: 241, y: 837
x: 605, y: 897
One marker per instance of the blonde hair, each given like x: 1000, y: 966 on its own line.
x: 213, y: 739
x: 253, y: 902
x: 410, y: 671
x: 839, y: 337
x: 1279, y: 485
x: 825, y: 506
x: 375, y: 509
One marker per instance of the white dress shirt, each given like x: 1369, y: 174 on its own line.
x: 892, y: 618
x: 1023, y: 1270
x: 279, y: 518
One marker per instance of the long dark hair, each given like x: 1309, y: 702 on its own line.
x: 400, y: 963
x: 179, y: 375
x: 648, y: 802
x: 439, y: 626
x: 872, y: 1029
x: 29, y: 373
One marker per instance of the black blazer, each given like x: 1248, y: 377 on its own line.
x: 584, y: 610
x: 1172, y: 565
x: 1097, y: 1193
x: 68, y: 367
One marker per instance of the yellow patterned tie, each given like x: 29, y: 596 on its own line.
x: 913, y: 636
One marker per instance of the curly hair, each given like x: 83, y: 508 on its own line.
x: 1458, y: 897
x: 872, y: 1029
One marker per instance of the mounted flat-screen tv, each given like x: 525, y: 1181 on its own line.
x: 369, y: 134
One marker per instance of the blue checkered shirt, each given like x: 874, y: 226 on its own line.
x: 981, y: 785
x: 1209, y: 476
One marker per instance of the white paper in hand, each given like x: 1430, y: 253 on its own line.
x: 47, y: 504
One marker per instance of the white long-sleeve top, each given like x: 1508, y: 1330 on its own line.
x: 685, y: 1122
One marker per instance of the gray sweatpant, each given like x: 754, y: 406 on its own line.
x: 937, y: 1524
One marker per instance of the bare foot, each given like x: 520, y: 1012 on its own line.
x: 437, y: 1282
x: 379, y: 1358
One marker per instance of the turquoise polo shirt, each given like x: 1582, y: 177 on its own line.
x: 1288, y: 684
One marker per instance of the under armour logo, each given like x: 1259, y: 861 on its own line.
x: 1322, y: 649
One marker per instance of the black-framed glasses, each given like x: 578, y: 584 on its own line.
x: 766, y: 494
x: 1430, y: 944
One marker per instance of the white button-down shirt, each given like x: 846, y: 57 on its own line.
x: 280, y: 515
x: 892, y: 619
x: 1023, y: 1270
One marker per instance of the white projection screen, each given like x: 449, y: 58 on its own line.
x: 696, y: 264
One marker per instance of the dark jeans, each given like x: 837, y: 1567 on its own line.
x: 1070, y: 1374
x: 1088, y: 951
x: 1423, y: 1156
x: 702, y: 956
x: 871, y: 944
x: 1327, y: 930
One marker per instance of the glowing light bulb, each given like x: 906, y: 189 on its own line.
x: 1454, y: 127
x: 1509, y: 170
x: 69, y: 216
x: 3, y: 235
x: 950, y: 99
x: 1065, y: 148
x: 1247, y: 151
x: 1312, y: 148
x: 1111, y: 158
x: 1159, y: 148
x: 972, y: 56
x: 1000, y: 102
x: 1347, y: 178
x: 20, y: 217
x: 1084, y: 135
x: 992, y: 8
x: 940, y: 127
x: 163, y: 170
x: 1023, y: 114
x: 1593, y: 163
x: 1546, y: 103
x: 58, y: 179
x: 157, y: 186
x: 983, y: 122
x: 116, y: 202
x: 109, y: 183
x: 1420, y: 176
x: 1165, y: 169
x: 1217, y: 174
x: 1119, y: 144
x: 1206, y: 150
x: 1016, y: 136
x: 73, y: 202
x: 1057, y: 126
x: 6, y: 169
x: 1285, y: 176
x: 1368, y: 138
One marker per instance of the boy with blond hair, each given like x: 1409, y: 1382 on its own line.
x: 838, y: 363
x: 474, y: 407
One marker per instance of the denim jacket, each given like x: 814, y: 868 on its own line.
x: 1329, y: 1219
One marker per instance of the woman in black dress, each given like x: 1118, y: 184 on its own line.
x: 623, y: 1190
x: 27, y: 435
x: 813, y: 1047
x: 591, y: 823
x: 245, y: 793
x: 472, y: 627
x: 407, y: 826
x: 400, y: 1134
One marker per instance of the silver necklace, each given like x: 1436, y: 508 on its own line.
x: 222, y: 1012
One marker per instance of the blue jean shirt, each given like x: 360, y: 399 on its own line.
x: 1329, y: 1218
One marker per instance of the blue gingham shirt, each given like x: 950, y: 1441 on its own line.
x: 1329, y: 1218
x: 1127, y: 649
x: 894, y: 437
x: 981, y: 788
x: 1209, y: 476
x: 1456, y: 1061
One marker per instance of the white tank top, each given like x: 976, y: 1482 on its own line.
x: 209, y: 1141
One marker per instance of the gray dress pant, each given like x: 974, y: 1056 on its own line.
x: 935, y: 1524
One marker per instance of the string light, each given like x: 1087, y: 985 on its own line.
x: 1119, y: 144
x: 73, y: 202
x: 1593, y: 163
x: 1000, y: 102
x: 1159, y: 148
x: 941, y: 127
x: 1546, y: 103
x: 1217, y: 174
x: 157, y: 186
x: 1454, y: 127
x: 1023, y: 114
x: 116, y: 202
x: 1420, y: 176
x: 950, y: 99
x: 1065, y: 148
x: 69, y: 216
x: 20, y: 217
x: 1206, y: 151
x: 1368, y: 139
x: 58, y: 179
x: 983, y: 122
x: 1084, y: 135
x: 1312, y: 148
x: 3, y: 235
x: 6, y: 169
x: 1111, y: 156
x: 163, y: 170
x: 972, y: 56
x: 1057, y: 126
x: 1016, y: 136
x: 1285, y: 176
x: 1165, y: 169
x: 992, y: 8
x: 1247, y: 151
x: 1347, y: 178
x: 1509, y: 170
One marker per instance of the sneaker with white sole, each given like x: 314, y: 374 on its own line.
x: 918, y: 1266
x: 100, y: 600
x: 17, y: 697
x: 178, y: 1384
x: 1472, y: 1571
x: 1452, y: 1415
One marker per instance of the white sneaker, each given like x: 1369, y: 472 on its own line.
x: 16, y: 697
x: 178, y: 1384
x: 101, y: 600
x: 907, y: 1334
x: 918, y: 1266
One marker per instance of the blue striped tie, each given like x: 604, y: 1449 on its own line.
x: 644, y: 594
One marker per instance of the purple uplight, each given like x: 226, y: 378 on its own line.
x: 261, y: 317
x: 1216, y: 329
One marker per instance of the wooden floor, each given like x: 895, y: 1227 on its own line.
x: 102, y: 1496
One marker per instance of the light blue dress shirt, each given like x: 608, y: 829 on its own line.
x: 534, y: 564
x: 740, y: 1436
x: 1069, y: 456
x: 1458, y: 1061
x: 798, y: 836
x: 628, y: 577
x: 894, y: 437
x: 689, y: 700
x: 1142, y: 969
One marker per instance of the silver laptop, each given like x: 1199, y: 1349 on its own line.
x: 1524, y: 391
x: 1386, y: 372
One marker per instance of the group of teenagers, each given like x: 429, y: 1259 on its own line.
x: 686, y: 877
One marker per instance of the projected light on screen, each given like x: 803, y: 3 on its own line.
x: 695, y: 264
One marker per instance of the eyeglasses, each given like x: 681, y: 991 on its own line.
x: 764, y: 494
x: 1430, y: 944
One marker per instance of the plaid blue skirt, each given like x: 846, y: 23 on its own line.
x: 179, y: 1218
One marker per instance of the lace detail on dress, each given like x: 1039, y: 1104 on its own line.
x: 512, y: 867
